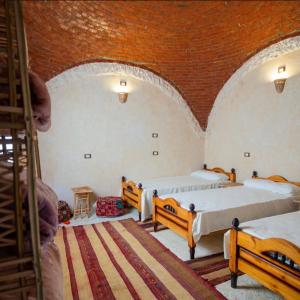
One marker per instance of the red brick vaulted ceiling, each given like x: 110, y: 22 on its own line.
x: 195, y: 45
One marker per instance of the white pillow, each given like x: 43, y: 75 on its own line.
x: 275, y: 187
x: 210, y: 175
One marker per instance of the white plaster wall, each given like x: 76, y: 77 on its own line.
x: 250, y: 116
x: 88, y: 118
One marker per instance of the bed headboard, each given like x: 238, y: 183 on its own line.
x: 231, y: 175
x: 275, y: 178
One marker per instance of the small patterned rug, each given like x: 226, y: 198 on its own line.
x: 213, y: 268
x: 148, y: 225
x: 120, y: 260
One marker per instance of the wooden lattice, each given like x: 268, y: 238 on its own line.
x: 20, y: 271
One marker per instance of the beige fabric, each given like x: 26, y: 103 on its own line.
x: 172, y: 185
x: 52, y: 272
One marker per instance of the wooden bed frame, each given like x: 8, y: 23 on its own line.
x: 169, y: 213
x: 275, y: 178
x: 132, y: 193
x: 269, y: 261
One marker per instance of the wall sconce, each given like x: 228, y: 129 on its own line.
x: 280, y: 81
x: 122, y: 94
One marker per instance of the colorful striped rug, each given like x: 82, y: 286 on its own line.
x: 214, y: 268
x: 120, y: 260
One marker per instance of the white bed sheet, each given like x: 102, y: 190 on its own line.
x: 285, y: 226
x: 171, y: 185
x: 216, y: 208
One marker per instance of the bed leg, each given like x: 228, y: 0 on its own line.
x: 140, y: 216
x: 233, y: 279
x: 155, y: 226
x: 192, y: 252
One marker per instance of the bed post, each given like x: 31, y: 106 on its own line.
x: 232, y: 176
x: 123, y: 180
x: 205, y: 166
x: 233, y: 266
x: 191, y: 242
x: 154, y: 211
x: 140, y: 186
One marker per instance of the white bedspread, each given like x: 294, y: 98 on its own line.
x: 168, y: 185
x: 286, y: 226
x: 216, y: 208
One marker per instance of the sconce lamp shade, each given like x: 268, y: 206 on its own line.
x: 123, y: 97
x: 279, y: 84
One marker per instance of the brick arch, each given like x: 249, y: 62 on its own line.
x: 102, y: 68
x: 269, y: 53
x: 131, y: 64
x: 196, y: 45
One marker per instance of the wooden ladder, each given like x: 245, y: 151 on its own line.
x: 20, y: 271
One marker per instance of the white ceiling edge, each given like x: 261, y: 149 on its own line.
x: 283, y: 47
x: 107, y: 68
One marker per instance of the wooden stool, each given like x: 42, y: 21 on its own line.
x: 82, y: 196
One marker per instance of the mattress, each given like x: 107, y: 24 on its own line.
x: 285, y: 226
x: 216, y: 208
x: 171, y: 185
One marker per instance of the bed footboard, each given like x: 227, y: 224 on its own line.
x: 169, y: 213
x: 273, y: 262
x: 132, y: 194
